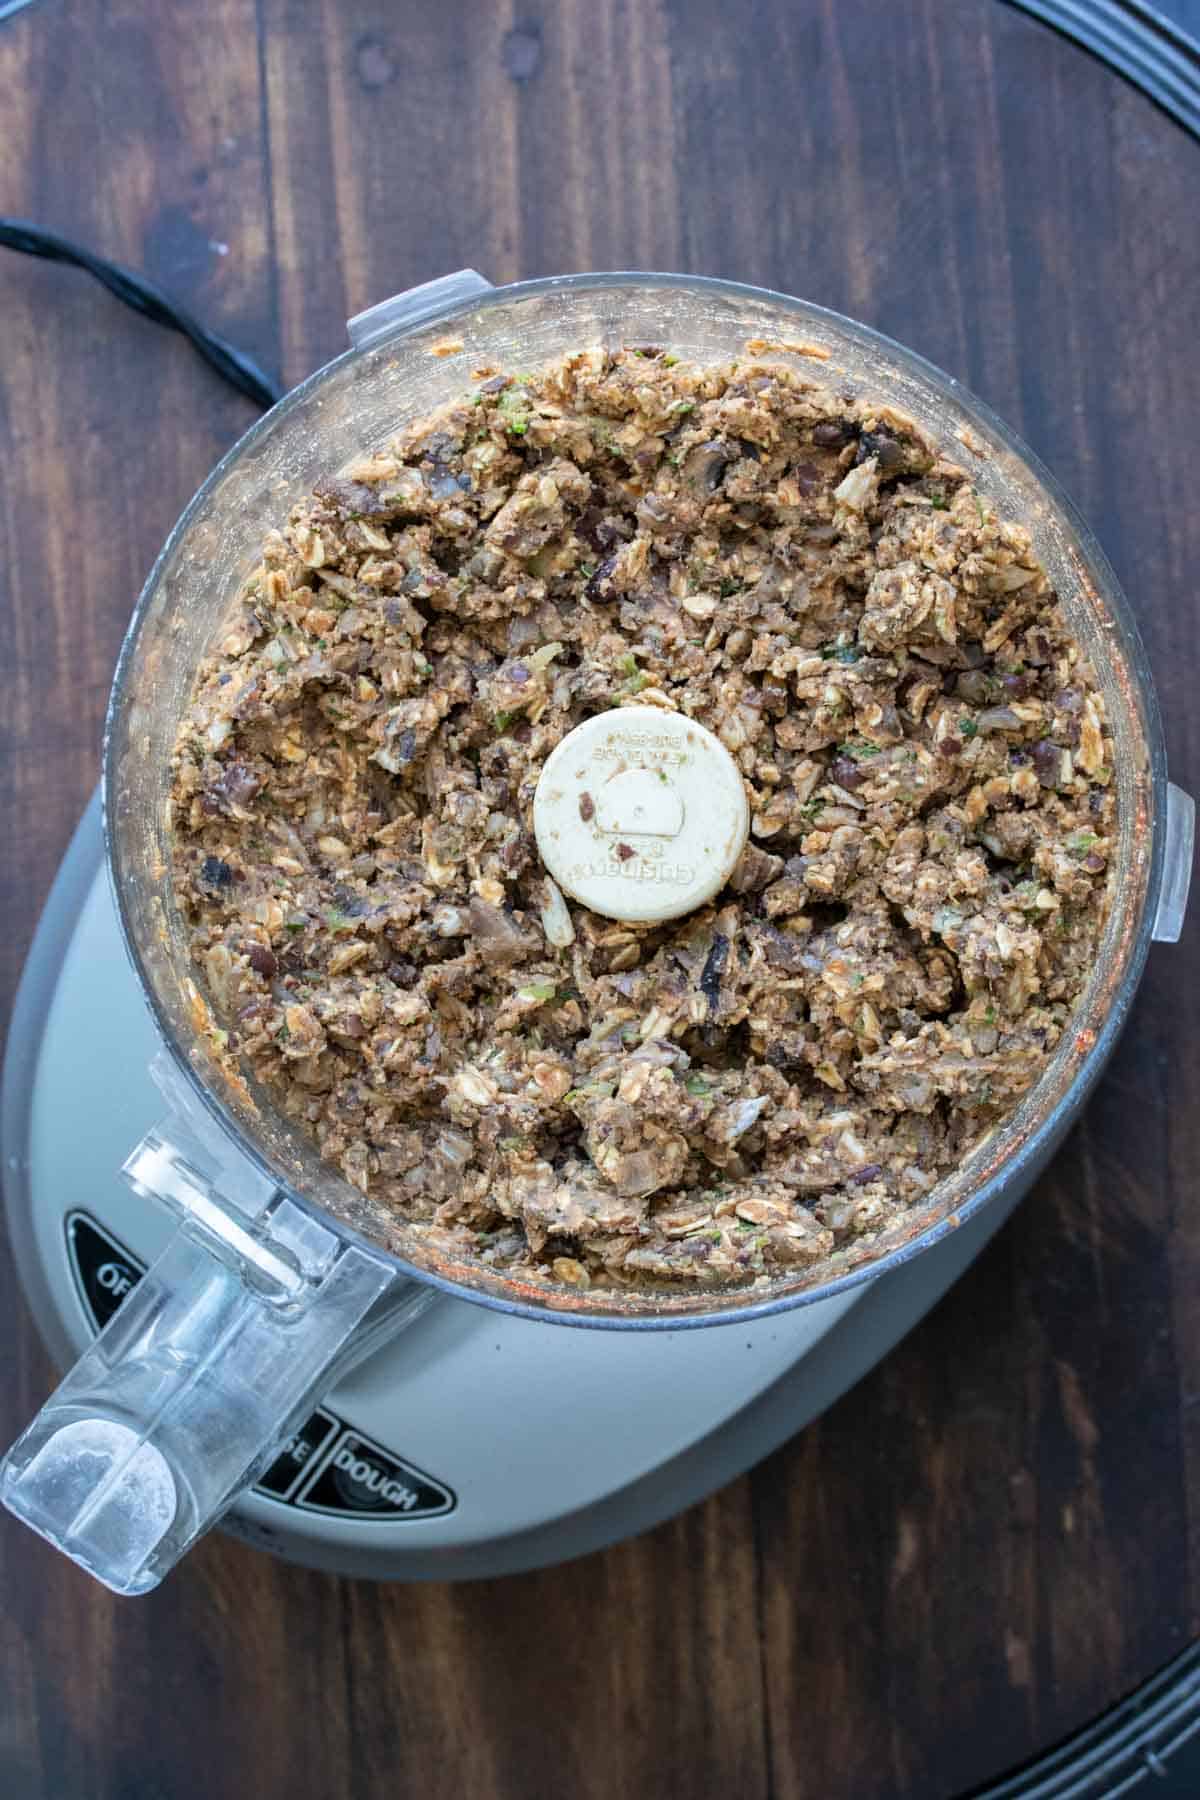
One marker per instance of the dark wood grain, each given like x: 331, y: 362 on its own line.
x: 998, y: 1532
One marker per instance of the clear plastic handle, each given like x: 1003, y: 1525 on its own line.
x: 182, y: 1400
x: 414, y: 305
x: 210, y: 1363
x: 1177, y: 866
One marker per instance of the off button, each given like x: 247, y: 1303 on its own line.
x: 640, y: 814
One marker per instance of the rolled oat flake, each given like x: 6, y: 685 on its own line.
x: 640, y: 814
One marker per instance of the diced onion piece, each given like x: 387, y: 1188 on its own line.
x: 745, y: 1114
x: 556, y: 918
x: 858, y: 488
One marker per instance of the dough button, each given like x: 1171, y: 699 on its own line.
x: 640, y: 814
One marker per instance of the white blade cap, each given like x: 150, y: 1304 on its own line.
x: 640, y: 814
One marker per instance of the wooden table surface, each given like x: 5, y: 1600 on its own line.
x: 998, y: 1532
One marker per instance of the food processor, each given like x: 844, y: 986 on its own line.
x: 261, y: 1344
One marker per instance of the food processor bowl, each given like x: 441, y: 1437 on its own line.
x: 307, y: 1260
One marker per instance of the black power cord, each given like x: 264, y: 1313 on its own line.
x: 147, y: 298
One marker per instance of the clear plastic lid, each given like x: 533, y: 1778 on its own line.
x: 419, y: 351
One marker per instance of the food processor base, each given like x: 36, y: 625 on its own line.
x: 492, y: 1444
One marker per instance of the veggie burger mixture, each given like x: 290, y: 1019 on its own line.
x: 732, y: 1093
